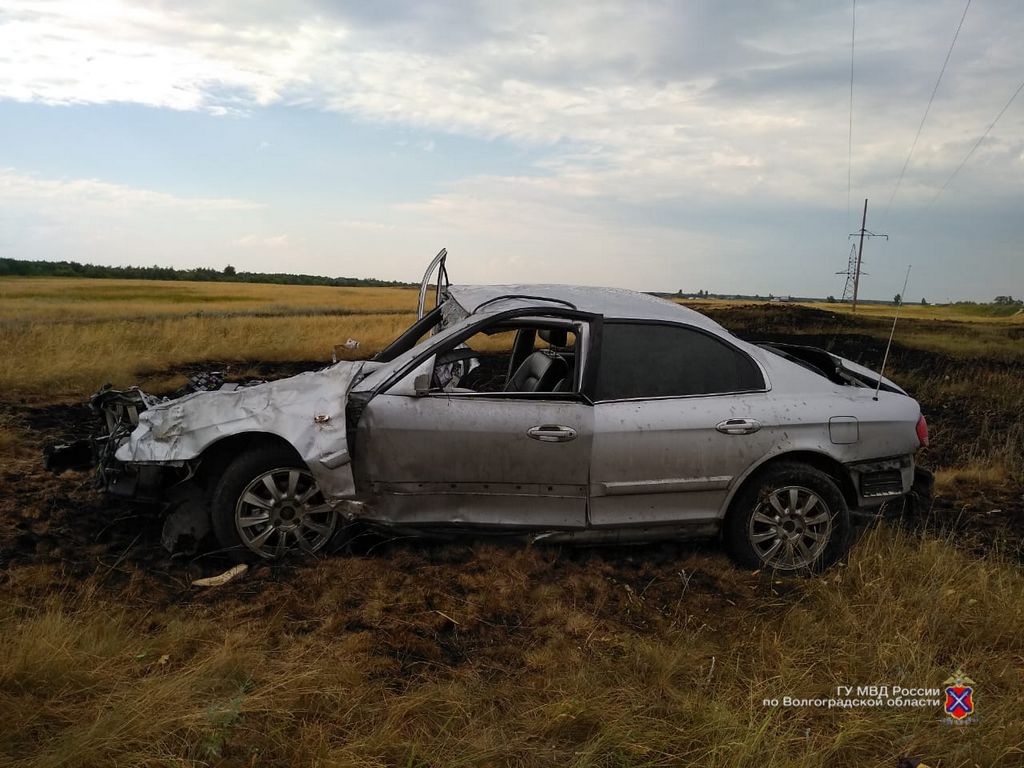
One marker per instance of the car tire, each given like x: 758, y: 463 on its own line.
x: 267, y: 505
x: 788, y: 517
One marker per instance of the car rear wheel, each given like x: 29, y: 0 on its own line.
x: 790, y: 517
x: 267, y: 505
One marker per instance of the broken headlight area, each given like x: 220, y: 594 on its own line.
x: 117, y: 415
x: 166, y: 484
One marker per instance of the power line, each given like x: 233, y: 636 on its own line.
x: 977, y: 144
x: 849, y: 146
x: 931, y: 98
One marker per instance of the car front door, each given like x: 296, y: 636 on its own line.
x: 680, y: 414
x: 461, y: 457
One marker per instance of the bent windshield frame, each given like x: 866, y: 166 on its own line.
x: 410, y: 337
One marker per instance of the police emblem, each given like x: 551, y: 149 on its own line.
x: 959, y: 696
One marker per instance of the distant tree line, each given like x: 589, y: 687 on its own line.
x: 229, y: 274
x: 1000, y: 300
x: 1003, y: 301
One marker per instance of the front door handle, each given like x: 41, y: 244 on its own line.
x: 552, y: 433
x: 738, y: 426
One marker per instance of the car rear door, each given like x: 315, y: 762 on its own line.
x: 680, y: 414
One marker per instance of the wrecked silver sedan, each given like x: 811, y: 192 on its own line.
x: 561, y: 413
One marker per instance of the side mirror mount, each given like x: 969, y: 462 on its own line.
x: 415, y: 383
x: 422, y: 384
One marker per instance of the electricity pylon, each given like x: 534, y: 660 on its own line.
x: 850, y: 272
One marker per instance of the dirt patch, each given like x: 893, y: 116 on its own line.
x: 981, y: 518
x: 58, y: 422
x: 782, y: 318
x: 66, y: 523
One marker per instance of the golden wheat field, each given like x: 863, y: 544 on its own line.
x: 471, y: 653
x: 63, y: 337
x: 75, y: 299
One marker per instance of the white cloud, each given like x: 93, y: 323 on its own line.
x: 90, y: 220
x: 643, y: 102
x: 104, y: 51
x: 530, y: 233
x: 737, y: 109
x: 100, y: 196
x: 259, y: 241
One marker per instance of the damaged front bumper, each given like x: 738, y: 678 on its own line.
x: 149, y: 448
x: 163, y: 484
x: 117, y: 412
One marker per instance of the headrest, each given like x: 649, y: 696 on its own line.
x: 556, y: 337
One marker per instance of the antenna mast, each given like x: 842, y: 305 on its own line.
x: 892, y: 333
x: 860, y: 251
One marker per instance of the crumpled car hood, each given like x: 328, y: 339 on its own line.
x: 307, y: 410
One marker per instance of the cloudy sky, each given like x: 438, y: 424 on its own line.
x: 653, y: 145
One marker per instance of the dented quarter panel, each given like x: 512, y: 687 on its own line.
x: 886, y: 427
x: 307, y: 410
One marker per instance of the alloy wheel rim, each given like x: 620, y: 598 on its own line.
x: 283, y: 510
x: 790, y: 528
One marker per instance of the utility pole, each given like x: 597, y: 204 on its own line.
x: 860, y: 251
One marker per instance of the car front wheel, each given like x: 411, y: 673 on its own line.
x: 790, y: 517
x: 267, y: 505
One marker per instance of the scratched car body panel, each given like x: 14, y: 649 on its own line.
x: 307, y: 410
x: 608, y: 415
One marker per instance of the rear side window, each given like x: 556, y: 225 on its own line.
x: 649, y: 360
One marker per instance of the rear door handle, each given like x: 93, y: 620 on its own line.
x: 552, y: 433
x: 738, y: 426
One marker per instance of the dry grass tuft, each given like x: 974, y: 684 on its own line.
x: 9, y: 438
x: 948, y: 481
x: 523, y: 657
x: 13, y: 443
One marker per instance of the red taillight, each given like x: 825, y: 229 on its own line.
x: 922, y: 432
